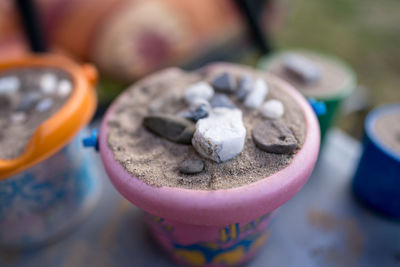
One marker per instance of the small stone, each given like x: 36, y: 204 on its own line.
x: 191, y: 166
x: 272, y: 109
x: 302, y: 68
x: 48, y: 83
x: 221, y: 101
x: 246, y: 83
x: 199, y: 109
x: 256, y: 96
x: 44, y: 105
x: 28, y: 101
x: 199, y: 113
x: 224, y: 83
x: 171, y: 127
x: 194, y: 114
x: 200, y: 101
x: 64, y: 88
x: 220, y: 136
x: 274, y: 137
x: 9, y: 85
x: 18, y: 117
x: 198, y: 90
x: 5, y: 102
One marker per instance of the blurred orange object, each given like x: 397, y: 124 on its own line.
x: 12, y: 42
x: 127, y: 39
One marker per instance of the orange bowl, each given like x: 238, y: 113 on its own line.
x: 59, y: 129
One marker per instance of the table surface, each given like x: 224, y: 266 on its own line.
x: 323, y: 225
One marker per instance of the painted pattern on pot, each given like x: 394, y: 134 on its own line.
x: 210, y: 245
x: 48, y: 198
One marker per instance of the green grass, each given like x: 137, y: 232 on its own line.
x: 365, y: 33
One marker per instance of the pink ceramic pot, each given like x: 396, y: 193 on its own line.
x: 216, y: 227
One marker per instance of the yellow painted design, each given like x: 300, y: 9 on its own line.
x: 233, y: 231
x: 231, y: 257
x: 246, y: 227
x: 223, y: 237
x: 211, y: 245
x: 259, y: 241
x: 195, y: 258
x: 157, y: 219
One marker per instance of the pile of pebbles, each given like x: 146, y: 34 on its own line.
x: 301, y: 68
x: 28, y: 97
x: 213, y: 124
x: 20, y: 104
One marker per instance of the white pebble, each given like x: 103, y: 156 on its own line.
x: 44, y: 105
x: 256, y: 96
x: 272, y: 109
x: 220, y: 136
x: 18, y: 117
x: 302, y: 67
x: 200, y: 101
x: 9, y: 85
x: 64, y: 88
x: 48, y: 83
x: 198, y: 90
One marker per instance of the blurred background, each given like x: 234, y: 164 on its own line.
x: 127, y: 39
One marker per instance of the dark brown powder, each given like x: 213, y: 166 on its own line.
x: 155, y: 160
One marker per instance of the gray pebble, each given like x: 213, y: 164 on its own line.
x: 64, y: 88
x: 18, y: 117
x: 246, y: 83
x: 195, y: 114
x: 199, y: 112
x: 44, y: 105
x: 274, y: 137
x: 48, y: 83
x: 191, y: 166
x: 5, y: 102
x: 171, y: 127
x: 199, y: 109
x: 221, y: 101
x: 28, y: 101
x: 302, y: 68
x: 199, y: 90
x: 224, y: 83
x: 9, y: 85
